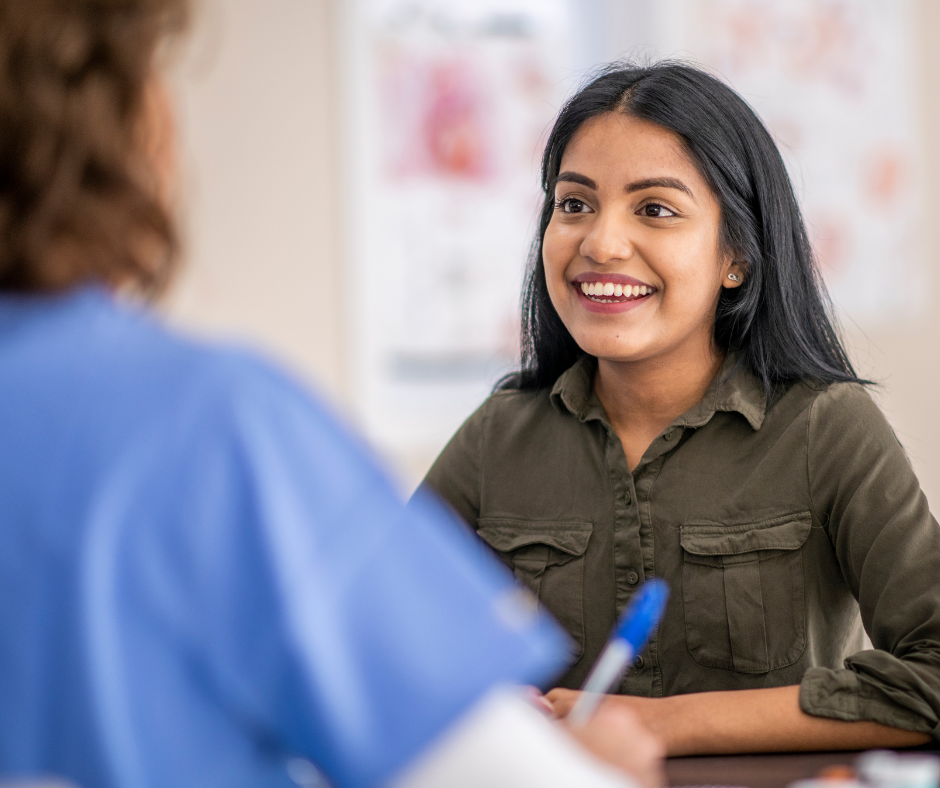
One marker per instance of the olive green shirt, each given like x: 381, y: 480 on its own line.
x: 780, y: 530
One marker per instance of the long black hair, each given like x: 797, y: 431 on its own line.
x: 779, y: 321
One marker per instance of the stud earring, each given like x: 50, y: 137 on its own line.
x: 734, y: 277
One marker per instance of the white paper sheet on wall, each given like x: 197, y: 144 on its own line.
x: 451, y: 108
x: 835, y: 82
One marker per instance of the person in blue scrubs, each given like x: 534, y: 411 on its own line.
x: 203, y: 577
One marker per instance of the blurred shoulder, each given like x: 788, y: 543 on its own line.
x: 127, y: 360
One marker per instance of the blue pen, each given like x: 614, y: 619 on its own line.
x: 636, y: 625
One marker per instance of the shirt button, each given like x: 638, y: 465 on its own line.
x: 670, y: 434
x: 639, y: 662
x: 632, y: 577
x: 628, y: 497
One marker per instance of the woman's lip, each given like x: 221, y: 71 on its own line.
x: 612, y: 307
x: 614, y: 279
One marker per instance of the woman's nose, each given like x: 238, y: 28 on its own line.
x: 607, y: 241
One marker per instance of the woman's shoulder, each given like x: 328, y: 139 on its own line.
x: 508, y: 422
x: 515, y: 399
x: 843, y: 413
x: 156, y: 376
x: 508, y: 407
x: 842, y: 401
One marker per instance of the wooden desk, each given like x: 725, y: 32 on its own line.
x: 756, y: 771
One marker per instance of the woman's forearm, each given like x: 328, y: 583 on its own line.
x: 738, y: 721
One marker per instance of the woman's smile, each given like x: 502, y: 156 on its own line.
x: 611, y: 293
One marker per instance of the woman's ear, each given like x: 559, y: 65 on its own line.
x: 734, y: 275
x: 157, y: 139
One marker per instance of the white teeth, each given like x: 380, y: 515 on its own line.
x: 610, y: 289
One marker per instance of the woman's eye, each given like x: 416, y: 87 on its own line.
x: 656, y: 211
x: 572, y: 205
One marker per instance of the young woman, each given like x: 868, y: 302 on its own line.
x: 685, y: 410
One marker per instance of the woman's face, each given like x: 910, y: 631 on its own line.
x: 632, y: 255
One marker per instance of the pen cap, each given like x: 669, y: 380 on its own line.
x: 643, y: 613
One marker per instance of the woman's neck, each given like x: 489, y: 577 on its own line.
x: 642, y: 398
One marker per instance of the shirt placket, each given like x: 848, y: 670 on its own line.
x: 628, y: 555
x: 634, y: 544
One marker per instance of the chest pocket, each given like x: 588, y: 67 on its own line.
x: 548, y: 557
x: 742, y: 593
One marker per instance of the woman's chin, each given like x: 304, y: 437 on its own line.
x: 617, y: 353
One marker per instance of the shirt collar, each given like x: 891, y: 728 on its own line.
x: 733, y: 389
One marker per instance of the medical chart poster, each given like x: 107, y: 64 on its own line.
x: 451, y: 103
x: 835, y: 82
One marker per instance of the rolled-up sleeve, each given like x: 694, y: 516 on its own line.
x: 866, y: 495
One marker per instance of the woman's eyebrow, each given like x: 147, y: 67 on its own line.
x: 576, y: 177
x: 663, y: 183
x: 636, y: 186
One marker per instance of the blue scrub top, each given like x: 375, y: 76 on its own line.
x: 202, y: 575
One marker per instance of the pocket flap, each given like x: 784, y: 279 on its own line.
x: 508, y: 534
x: 781, y: 533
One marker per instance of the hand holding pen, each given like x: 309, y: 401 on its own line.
x: 638, y: 622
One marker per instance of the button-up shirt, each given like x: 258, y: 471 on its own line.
x: 786, y: 532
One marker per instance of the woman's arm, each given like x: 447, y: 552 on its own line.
x: 503, y: 742
x: 866, y: 496
x: 455, y: 475
x: 738, y: 721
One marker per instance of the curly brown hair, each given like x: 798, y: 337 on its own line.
x: 78, y: 198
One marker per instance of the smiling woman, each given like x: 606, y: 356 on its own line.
x: 686, y: 410
x: 644, y: 209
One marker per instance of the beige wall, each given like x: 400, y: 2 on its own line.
x: 907, y: 361
x: 259, y: 119
x: 256, y: 91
